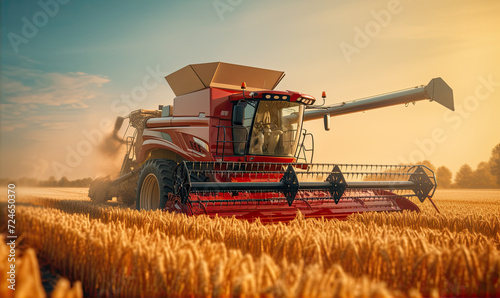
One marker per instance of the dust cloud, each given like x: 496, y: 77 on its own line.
x: 110, y: 154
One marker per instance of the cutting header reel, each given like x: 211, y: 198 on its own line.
x: 274, y: 192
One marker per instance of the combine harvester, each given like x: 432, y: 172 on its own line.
x: 239, y: 149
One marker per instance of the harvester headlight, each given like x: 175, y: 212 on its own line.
x: 275, y: 96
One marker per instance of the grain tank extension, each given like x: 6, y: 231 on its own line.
x: 233, y: 145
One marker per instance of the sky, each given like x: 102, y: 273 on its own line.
x: 68, y: 68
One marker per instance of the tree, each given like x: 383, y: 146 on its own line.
x: 427, y: 164
x: 464, y: 177
x: 51, y: 182
x: 443, y: 176
x: 482, y: 177
x: 495, y: 163
x: 63, y: 182
x: 86, y: 182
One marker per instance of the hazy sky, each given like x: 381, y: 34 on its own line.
x: 68, y: 67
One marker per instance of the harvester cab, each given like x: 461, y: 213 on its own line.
x: 231, y: 145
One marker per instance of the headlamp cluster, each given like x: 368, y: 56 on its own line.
x: 270, y: 96
x: 306, y: 101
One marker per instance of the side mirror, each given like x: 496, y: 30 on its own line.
x: 326, y: 121
x: 238, y: 114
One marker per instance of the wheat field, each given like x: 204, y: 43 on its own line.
x: 116, y: 251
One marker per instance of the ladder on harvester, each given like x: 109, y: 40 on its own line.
x: 302, y: 149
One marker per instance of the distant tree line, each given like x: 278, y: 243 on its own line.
x: 51, y: 182
x: 486, y: 174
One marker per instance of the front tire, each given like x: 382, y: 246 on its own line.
x: 155, y: 184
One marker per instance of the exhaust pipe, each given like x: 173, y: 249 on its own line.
x: 437, y: 90
x: 118, y: 125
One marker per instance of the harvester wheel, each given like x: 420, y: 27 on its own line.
x: 98, y: 190
x: 154, y: 184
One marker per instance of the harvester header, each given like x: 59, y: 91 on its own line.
x: 232, y: 145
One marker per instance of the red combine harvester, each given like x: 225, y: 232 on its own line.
x: 239, y: 149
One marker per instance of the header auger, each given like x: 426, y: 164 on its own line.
x: 231, y: 149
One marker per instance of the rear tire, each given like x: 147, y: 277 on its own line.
x: 155, y: 184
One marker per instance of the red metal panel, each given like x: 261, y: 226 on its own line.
x: 182, y: 142
x: 153, y: 144
x: 220, y: 106
x: 279, y: 211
